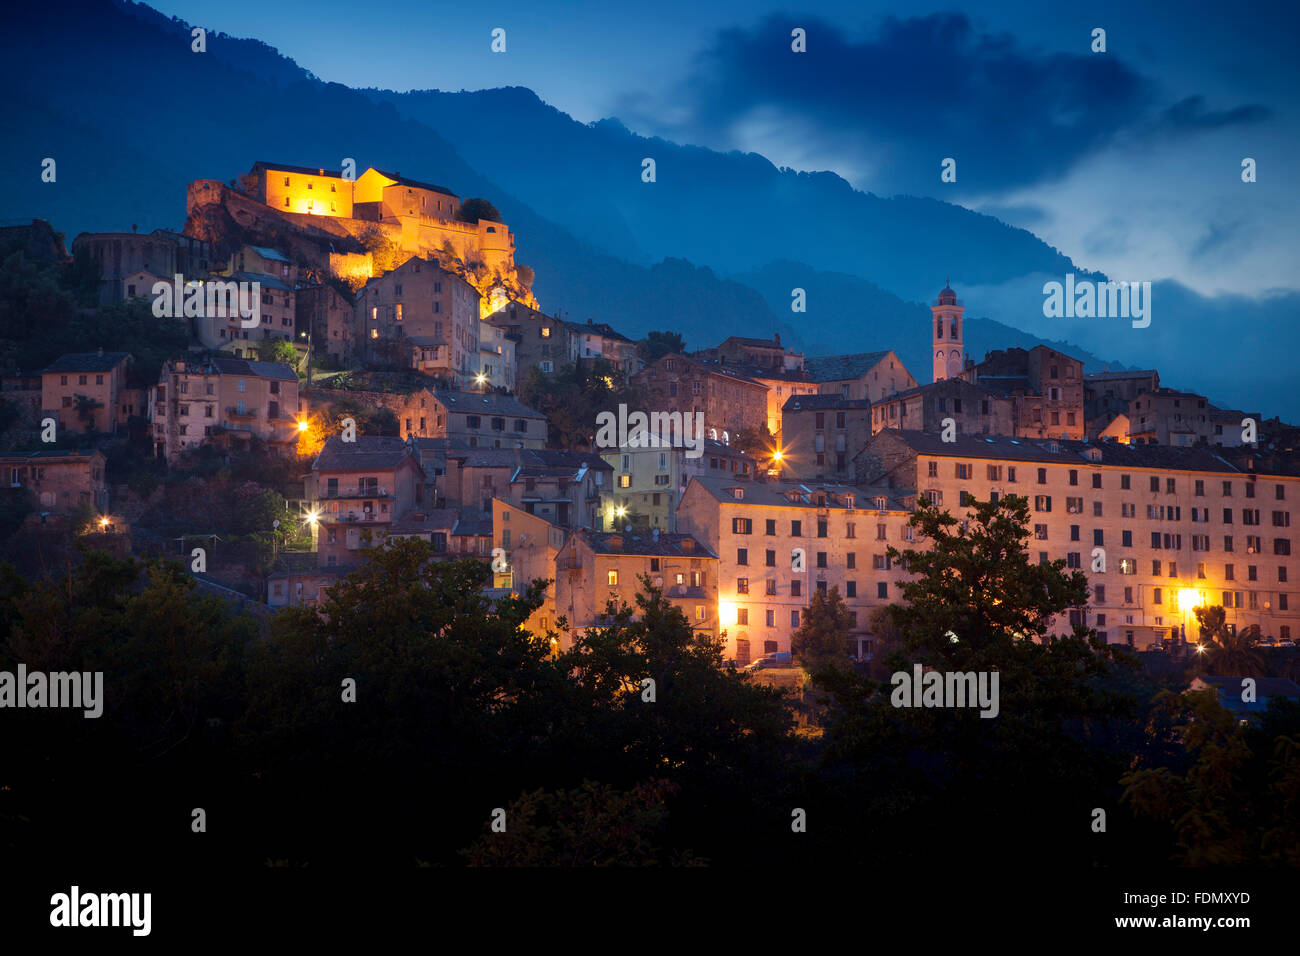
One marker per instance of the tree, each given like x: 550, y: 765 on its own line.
x: 474, y: 209
x: 973, y: 603
x: 758, y: 442
x: 658, y: 344
x: 278, y: 350
x: 573, y: 396
x: 822, y: 639
x: 1227, y: 651
x: 86, y: 407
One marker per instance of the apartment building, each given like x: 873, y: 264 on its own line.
x: 357, y: 491
x: 1045, y: 386
x: 820, y: 435
x: 235, y: 399
x: 595, y: 569
x: 328, y: 317
x: 425, y: 314
x: 596, y: 340
x: 528, y: 545
x: 560, y: 486
x: 60, y: 481
x: 487, y: 420
x: 542, y: 341
x: 1166, y: 416
x: 648, y: 482
x: 496, y: 358
x: 82, y: 390
x: 1158, y: 530
x: 729, y: 400
x: 1107, y: 394
x: 778, y: 542
x: 974, y: 410
x: 864, y: 375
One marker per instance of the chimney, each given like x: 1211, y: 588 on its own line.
x: 688, y: 545
x: 101, y: 351
x: 776, y: 337
x: 614, y: 542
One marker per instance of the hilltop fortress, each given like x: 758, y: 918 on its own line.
x: 358, y: 229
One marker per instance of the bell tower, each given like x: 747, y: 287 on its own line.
x: 946, y: 331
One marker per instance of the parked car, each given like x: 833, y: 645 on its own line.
x: 1156, y: 646
x: 779, y: 659
x: 1286, y: 643
x: 1267, y: 642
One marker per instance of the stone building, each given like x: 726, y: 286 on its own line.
x: 728, y: 400
x: 1157, y: 530
x: 864, y: 375
x: 542, y: 341
x: 595, y: 569
x: 647, y: 482
x: 974, y: 410
x: 424, y: 315
x: 1046, y: 387
x: 779, y: 542
x: 820, y: 434
x: 82, y: 390
x: 60, y: 481
x: 358, y: 490
x: 235, y: 399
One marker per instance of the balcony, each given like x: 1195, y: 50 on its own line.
x: 361, y: 491
x: 234, y: 411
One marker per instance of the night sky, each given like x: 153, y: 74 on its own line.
x: 1127, y: 161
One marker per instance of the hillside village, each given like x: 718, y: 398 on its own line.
x: 403, y: 381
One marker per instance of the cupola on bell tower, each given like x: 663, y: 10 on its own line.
x: 946, y: 332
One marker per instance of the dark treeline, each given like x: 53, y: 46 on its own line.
x: 459, y: 711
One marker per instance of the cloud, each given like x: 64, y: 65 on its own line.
x: 890, y: 106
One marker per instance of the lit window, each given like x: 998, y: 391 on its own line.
x: 613, y: 578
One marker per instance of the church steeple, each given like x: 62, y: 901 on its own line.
x: 946, y: 335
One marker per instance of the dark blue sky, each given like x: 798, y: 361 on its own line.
x: 1128, y: 161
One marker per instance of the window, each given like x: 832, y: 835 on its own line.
x: 742, y: 615
x: 1157, y: 596
x: 1250, y: 490
x: 742, y: 585
x: 742, y: 556
x: 1098, y: 536
x: 932, y: 468
x: 794, y: 618
x: 851, y: 588
x: 882, y: 589
x: 1100, y: 592
x: 1127, y: 566
x: 796, y: 529
x: 612, y: 576
x: 771, y: 526
x: 1042, y: 476
x: 771, y: 586
x: 1074, y: 532
x: 796, y: 588
x: 742, y: 526
x: 821, y: 559
x: 1040, y: 532
x: 1281, y: 545
x: 1155, y: 484
x: 1042, y: 502
x: 771, y: 618
x: 1281, y: 519
x: 1074, y: 476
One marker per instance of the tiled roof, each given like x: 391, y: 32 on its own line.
x: 488, y: 403
x: 268, y: 253
x: 473, y: 522
x: 300, y: 170
x: 640, y: 543
x: 432, y: 519
x: 368, y: 451
x: 947, y: 383
x: 778, y: 494
x: 261, y: 278
x: 87, y: 362
x: 235, y: 366
x: 416, y: 183
x: 1115, y: 376
x: 597, y: 328
x: 1112, y: 454
x: 802, y: 403
x: 832, y: 368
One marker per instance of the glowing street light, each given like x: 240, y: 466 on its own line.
x: 620, y: 511
x: 303, y: 425
x: 1189, y: 598
x: 480, y: 379
x: 778, y: 456
x: 313, y: 517
x: 103, y: 524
